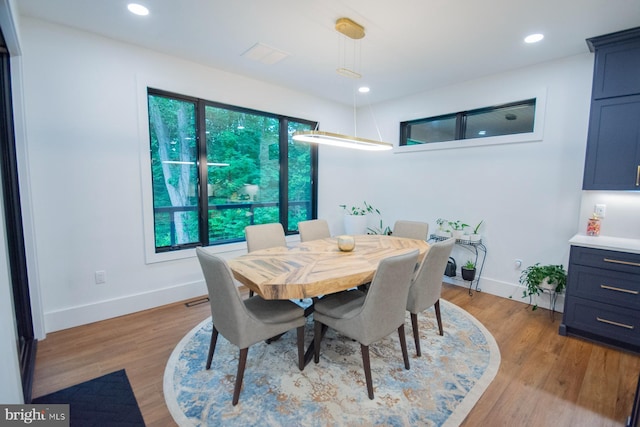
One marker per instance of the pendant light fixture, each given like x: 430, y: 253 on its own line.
x: 354, y: 31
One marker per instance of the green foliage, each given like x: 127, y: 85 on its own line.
x: 358, y: 210
x: 477, y: 227
x: 533, y: 276
x: 380, y: 229
x: 469, y: 265
x: 241, y: 149
x: 457, y: 225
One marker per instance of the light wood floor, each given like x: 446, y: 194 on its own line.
x: 544, y: 379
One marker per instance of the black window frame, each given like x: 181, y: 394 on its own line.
x: 461, y: 121
x: 201, y: 154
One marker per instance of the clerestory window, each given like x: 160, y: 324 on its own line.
x: 507, y: 119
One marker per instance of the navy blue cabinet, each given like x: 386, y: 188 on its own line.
x: 602, y: 301
x: 616, y: 65
x: 613, y: 144
x: 612, y: 161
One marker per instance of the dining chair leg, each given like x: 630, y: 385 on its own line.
x: 403, y: 345
x: 438, y: 317
x: 242, y: 362
x: 416, y: 333
x: 212, y: 346
x: 317, y: 337
x: 366, y: 363
x: 300, y: 334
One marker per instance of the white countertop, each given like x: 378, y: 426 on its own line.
x: 605, y: 242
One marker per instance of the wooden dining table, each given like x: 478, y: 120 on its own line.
x: 318, y: 267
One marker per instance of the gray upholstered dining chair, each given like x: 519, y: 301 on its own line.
x: 245, y: 322
x: 369, y: 317
x: 411, y: 229
x: 264, y: 236
x: 426, y: 286
x: 313, y: 229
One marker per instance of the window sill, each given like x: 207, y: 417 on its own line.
x: 472, y: 142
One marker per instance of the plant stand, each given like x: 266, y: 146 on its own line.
x: 477, y: 248
x: 553, y: 297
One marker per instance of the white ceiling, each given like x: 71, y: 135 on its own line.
x: 410, y: 45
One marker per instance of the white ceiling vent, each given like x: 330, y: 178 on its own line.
x: 266, y: 54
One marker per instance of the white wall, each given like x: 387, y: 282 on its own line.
x: 528, y: 194
x: 81, y: 101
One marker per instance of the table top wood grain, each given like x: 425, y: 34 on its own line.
x: 318, y: 267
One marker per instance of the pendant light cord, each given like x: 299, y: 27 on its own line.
x: 355, y: 116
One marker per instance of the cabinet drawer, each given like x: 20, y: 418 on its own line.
x: 609, y: 260
x: 611, y: 287
x: 608, y: 321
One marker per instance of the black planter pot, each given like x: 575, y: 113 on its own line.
x: 468, y: 274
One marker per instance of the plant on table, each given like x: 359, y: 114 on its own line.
x: 380, y: 229
x: 475, y: 235
x: 355, y: 218
x: 538, y: 278
x: 359, y: 210
x: 442, y: 231
x: 457, y: 228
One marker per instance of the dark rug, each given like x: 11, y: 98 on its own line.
x: 105, y: 401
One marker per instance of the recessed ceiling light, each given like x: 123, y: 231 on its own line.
x: 363, y: 89
x: 138, y: 9
x: 533, y: 38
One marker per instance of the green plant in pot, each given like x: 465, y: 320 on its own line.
x: 355, y: 218
x: 475, y: 235
x: 457, y: 228
x: 442, y: 231
x: 539, y: 278
x: 468, y: 271
x: 359, y: 210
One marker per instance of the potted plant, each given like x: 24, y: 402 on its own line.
x: 380, y: 229
x: 355, y: 218
x: 457, y: 228
x: 442, y: 231
x: 475, y: 236
x: 539, y: 278
x: 468, y: 271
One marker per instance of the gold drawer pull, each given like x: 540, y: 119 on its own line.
x: 616, y: 261
x: 613, y: 288
x: 638, y: 177
x: 611, y: 322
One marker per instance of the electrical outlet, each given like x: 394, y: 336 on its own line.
x: 101, y: 277
x: 600, y: 210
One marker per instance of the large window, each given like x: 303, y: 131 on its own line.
x: 508, y: 119
x: 218, y: 168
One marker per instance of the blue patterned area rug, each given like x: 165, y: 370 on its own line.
x: 440, y: 389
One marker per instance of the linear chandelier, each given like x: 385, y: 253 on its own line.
x: 338, y: 140
x: 354, y: 31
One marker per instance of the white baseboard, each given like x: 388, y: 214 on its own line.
x: 102, y: 310
x: 507, y: 290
